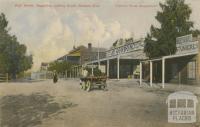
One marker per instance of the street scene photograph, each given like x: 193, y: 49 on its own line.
x: 99, y: 63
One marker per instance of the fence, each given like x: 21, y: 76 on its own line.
x: 41, y: 75
x: 4, y: 77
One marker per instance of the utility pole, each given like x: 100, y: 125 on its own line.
x: 98, y: 57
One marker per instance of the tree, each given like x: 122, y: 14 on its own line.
x: 60, y: 67
x: 174, y: 22
x: 13, y: 58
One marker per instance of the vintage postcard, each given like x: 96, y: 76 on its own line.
x: 99, y: 63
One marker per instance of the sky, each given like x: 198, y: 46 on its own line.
x: 51, y: 28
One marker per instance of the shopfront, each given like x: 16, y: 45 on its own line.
x: 123, y: 61
x: 180, y: 68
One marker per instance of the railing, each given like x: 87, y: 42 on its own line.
x: 4, y: 77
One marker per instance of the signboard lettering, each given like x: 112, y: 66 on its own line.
x: 134, y: 46
x: 184, y: 39
x: 185, y: 45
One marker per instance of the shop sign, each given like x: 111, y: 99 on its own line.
x: 185, y: 45
x: 184, y: 39
x: 130, y: 47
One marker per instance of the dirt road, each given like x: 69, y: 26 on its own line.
x: 64, y: 104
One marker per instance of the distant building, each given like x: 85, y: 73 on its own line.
x: 81, y: 54
x: 95, y: 53
x: 43, y: 73
x: 44, y: 66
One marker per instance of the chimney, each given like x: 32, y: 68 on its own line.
x: 89, y: 46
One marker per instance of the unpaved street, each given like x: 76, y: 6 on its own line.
x: 64, y: 104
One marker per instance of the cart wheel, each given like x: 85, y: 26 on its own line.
x: 88, y: 86
x: 103, y: 87
x: 84, y: 86
x: 81, y: 85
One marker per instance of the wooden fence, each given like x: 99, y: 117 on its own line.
x: 4, y: 77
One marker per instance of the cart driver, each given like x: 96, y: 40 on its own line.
x: 84, y: 72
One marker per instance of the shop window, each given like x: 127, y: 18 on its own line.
x: 192, y: 70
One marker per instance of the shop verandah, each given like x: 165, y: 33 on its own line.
x: 180, y: 68
x: 120, y: 61
x: 119, y: 66
x: 177, y: 69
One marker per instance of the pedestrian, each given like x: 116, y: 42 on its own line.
x: 55, y: 76
x: 84, y: 74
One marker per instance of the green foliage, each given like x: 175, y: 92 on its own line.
x: 13, y: 58
x: 174, y: 22
x: 60, y: 67
x: 96, y: 71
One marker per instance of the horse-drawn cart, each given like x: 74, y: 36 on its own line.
x: 88, y: 83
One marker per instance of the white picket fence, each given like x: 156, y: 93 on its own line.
x: 41, y: 75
